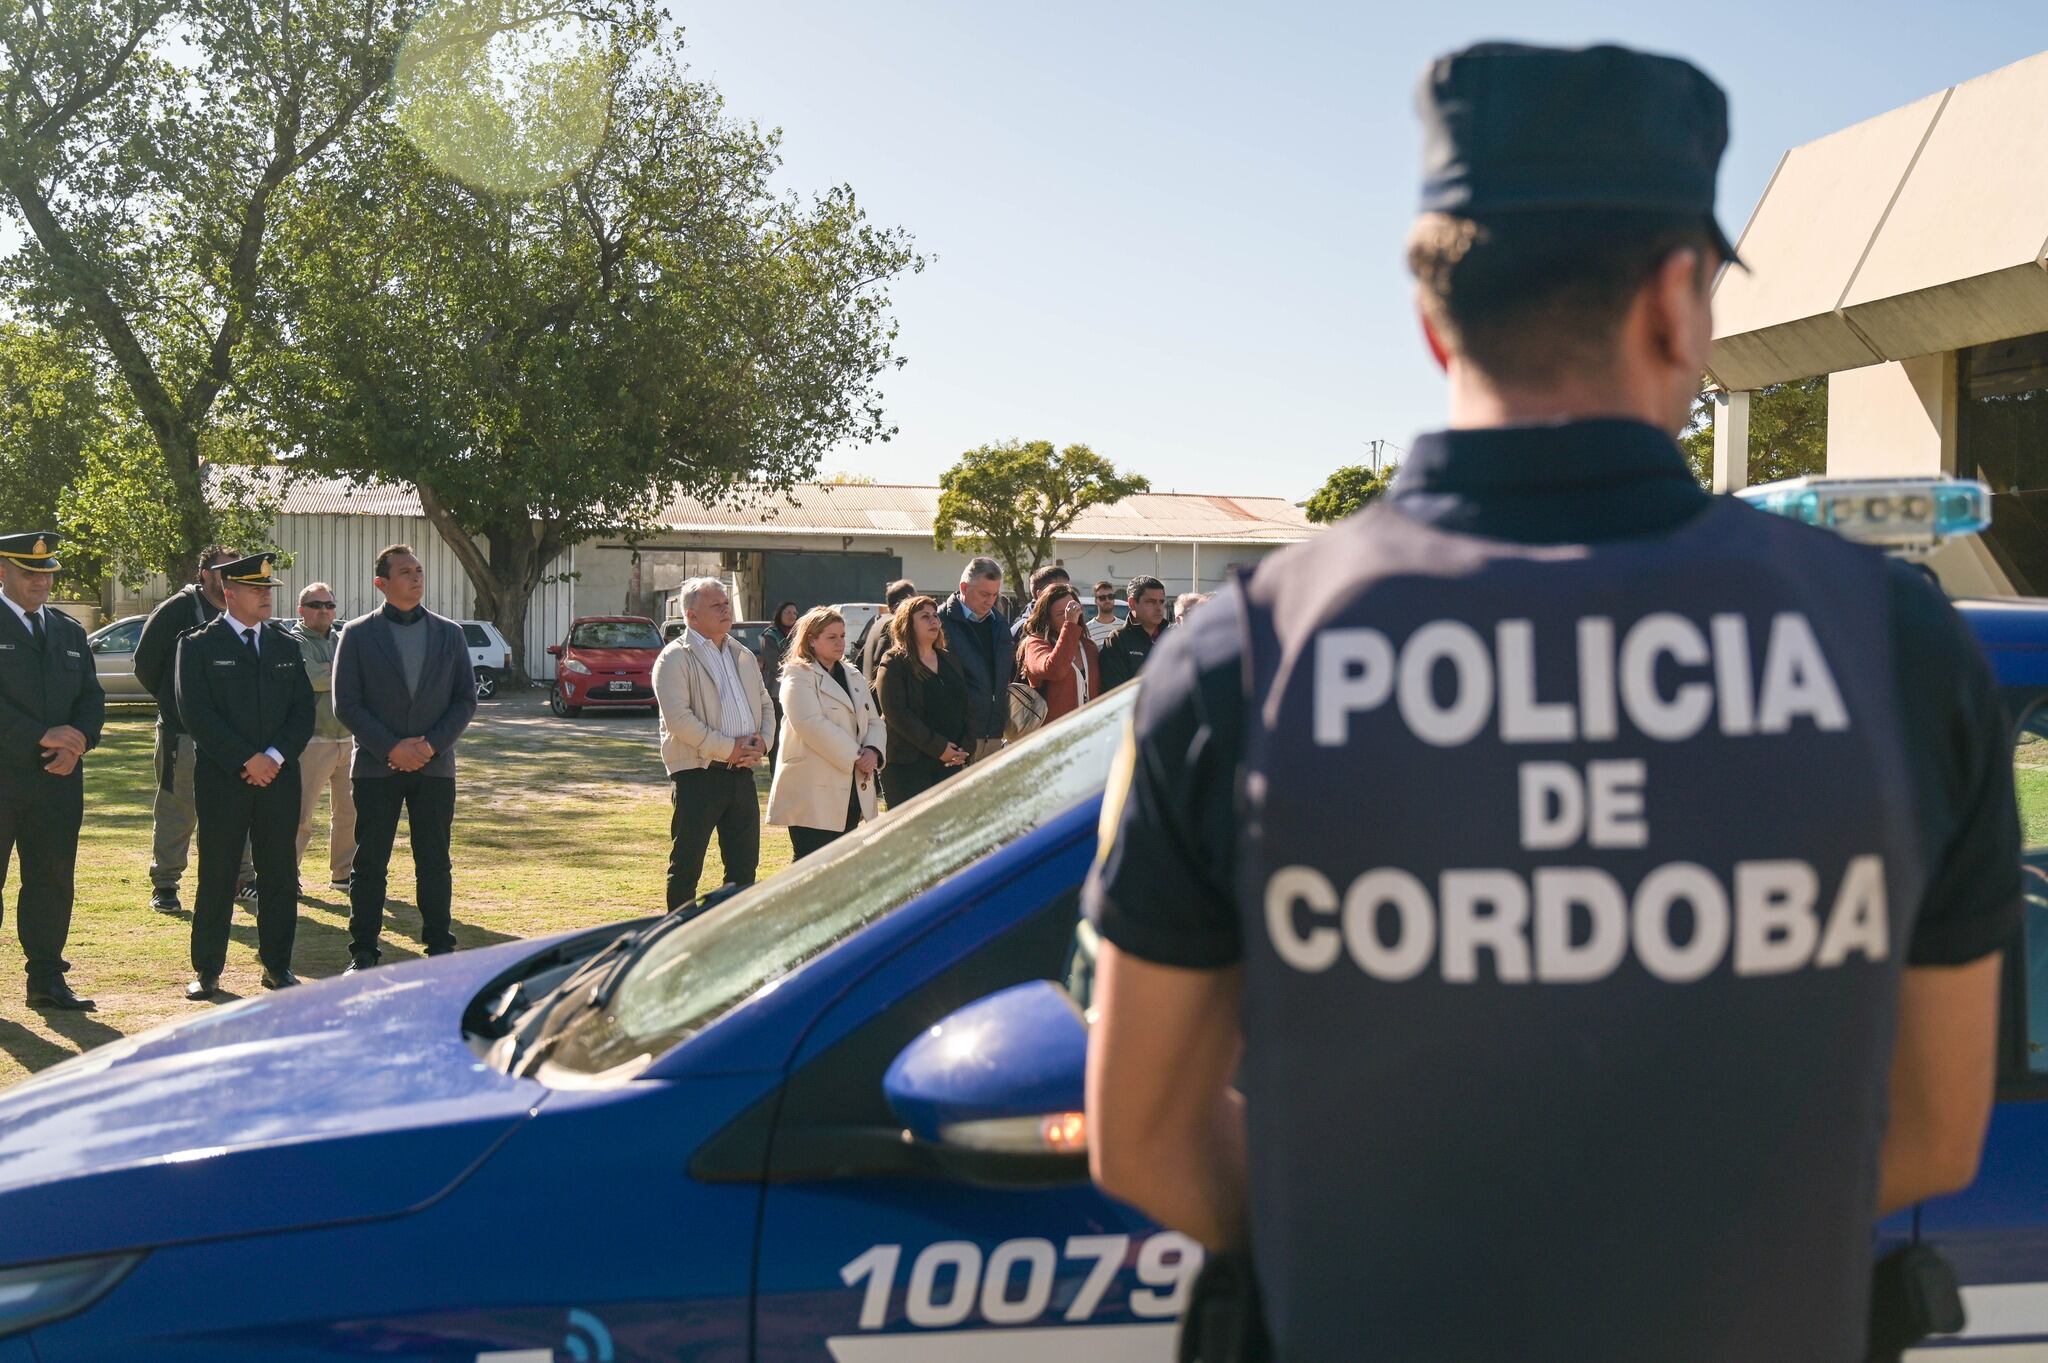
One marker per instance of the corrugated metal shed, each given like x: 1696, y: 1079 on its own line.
x: 884, y: 510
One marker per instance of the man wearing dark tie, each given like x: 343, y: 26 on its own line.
x: 51, y: 707
x: 244, y: 698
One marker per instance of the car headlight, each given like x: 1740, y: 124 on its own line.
x: 41, y: 1293
x: 578, y: 666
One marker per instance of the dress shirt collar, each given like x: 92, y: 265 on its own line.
x: 23, y: 613
x: 399, y: 617
x: 700, y: 641
x: 970, y: 612
x: 242, y: 628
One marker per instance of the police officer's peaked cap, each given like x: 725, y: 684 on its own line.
x: 1509, y: 128
x: 35, y: 550
x: 257, y: 570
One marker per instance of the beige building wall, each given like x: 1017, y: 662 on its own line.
x: 1892, y: 420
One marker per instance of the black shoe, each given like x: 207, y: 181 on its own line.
x: 56, y: 994
x: 345, y: 883
x: 165, y: 900
x: 279, y: 979
x: 202, y: 987
x: 245, y: 893
x: 356, y: 964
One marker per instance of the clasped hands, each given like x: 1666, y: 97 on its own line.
x: 748, y: 752
x: 866, y: 763
x: 62, y: 747
x: 954, y: 756
x: 410, y: 755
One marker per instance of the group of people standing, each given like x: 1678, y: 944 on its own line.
x: 849, y: 727
x: 254, y: 720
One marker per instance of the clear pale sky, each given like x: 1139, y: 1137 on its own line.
x: 1173, y: 230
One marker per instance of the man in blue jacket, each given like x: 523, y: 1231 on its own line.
x: 978, y: 637
x: 404, y: 687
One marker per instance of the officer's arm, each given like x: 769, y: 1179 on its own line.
x: 89, y: 711
x: 1166, y: 1130
x: 155, y: 654
x: 1943, y: 1068
x: 297, y: 731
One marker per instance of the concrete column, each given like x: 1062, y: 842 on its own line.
x: 1731, y: 441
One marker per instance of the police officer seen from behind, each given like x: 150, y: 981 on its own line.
x: 51, y: 707
x: 244, y: 697
x: 156, y: 657
x: 1611, y: 859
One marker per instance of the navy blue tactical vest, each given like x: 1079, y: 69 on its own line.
x: 1576, y: 884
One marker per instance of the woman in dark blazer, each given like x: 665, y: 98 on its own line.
x: 924, y: 703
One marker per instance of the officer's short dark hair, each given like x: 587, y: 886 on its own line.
x: 899, y: 592
x: 389, y: 552
x: 1041, y: 578
x: 1528, y: 297
x: 1140, y: 585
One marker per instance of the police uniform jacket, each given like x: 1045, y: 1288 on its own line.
x: 156, y: 652
x: 41, y: 688
x: 235, y: 705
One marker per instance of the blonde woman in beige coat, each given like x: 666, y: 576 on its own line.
x: 832, y: 739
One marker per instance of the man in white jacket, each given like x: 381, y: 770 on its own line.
x: 717, y: 725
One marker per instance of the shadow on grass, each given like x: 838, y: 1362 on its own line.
x: 35, y: 1052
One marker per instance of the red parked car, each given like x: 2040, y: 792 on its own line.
x: 607, y: 660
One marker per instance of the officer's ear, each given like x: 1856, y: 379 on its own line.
x: 1677, y: 310
x: 1438, y: 351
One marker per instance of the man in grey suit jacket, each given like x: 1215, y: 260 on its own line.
x: 403, y: 686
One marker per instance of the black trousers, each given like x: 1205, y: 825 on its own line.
x: 905, y: 780
x: 428, y: 803
x: 234, y: 814
x: 41, y: 814
x: 804, y: 841
x: 711, y: 800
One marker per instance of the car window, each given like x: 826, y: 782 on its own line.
x: 475, y: 635
x: 750, y: 942
x: 2030, y: 784
x: 118, y: 638
x: 748, y: 635
x: 615, y: 634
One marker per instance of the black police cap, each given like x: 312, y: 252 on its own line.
x: 35, y: 550
x: 1509, y: 128
x: 257, y: 570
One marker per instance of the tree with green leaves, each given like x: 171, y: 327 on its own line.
x: 147, y: 147
x: 549, y: 367
x: 1346, y: 490
x: 1788, y: 432
x: 1015, y: 498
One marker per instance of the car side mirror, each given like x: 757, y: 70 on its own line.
x: 1002, y: 1076
x: 554, y: 650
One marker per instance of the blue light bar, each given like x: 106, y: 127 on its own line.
x: 1893, y: 513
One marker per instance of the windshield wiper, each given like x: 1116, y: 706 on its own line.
x: 601, y: 975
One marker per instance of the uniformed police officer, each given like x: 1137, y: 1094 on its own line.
x: 51, y: 708
x: 244, y: 697
x: 1559, y: 850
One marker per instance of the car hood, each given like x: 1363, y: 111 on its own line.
x: 617, y: 659
x: 350, y: 1099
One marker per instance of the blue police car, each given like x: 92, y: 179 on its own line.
x: 837, y: 1116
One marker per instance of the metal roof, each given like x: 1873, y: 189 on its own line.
x: 867, y: 510
x: 1924, y: 229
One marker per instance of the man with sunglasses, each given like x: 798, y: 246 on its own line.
x: 1105, y: 621
x: 325, y: 763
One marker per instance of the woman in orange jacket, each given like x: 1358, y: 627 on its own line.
x: 1057, y: 656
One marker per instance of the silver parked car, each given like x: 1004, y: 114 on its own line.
x: 113, y: 657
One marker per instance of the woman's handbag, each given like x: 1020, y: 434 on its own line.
x: 1027, y: 711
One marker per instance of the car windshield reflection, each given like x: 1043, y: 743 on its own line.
x: 754, y: 940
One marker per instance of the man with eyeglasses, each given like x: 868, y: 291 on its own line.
x: 1105, y: 621
x: 325, y: 762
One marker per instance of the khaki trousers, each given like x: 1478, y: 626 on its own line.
x: 174, y: 814
x: 324, y: 766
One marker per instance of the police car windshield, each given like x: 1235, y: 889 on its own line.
x: 702, y: 970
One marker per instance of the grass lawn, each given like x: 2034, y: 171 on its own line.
x: 559, y: 824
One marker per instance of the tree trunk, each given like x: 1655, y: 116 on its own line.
x: 504, y: 571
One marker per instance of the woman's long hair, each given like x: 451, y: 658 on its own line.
x: 807, y: 629
x: 775, y: 620
x: 903, y: 632
x: 1040, y: 621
